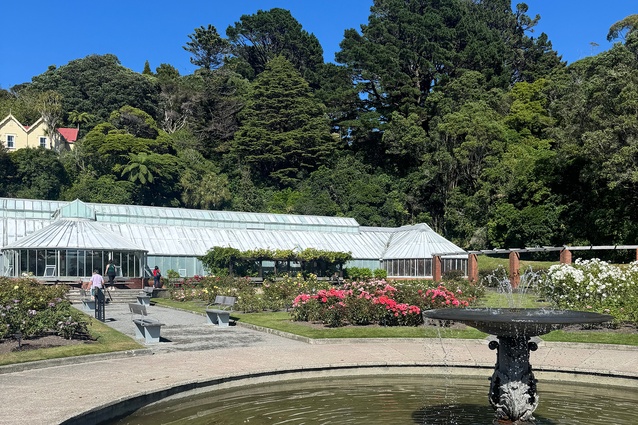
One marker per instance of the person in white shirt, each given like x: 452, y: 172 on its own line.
x: 97, y: 281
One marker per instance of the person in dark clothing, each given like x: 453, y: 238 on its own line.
x: 110, y: 272
x: 156, y: 277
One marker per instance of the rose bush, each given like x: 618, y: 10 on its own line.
x: 31, y: 309
x: 375, y: 301
x: 594, y: 285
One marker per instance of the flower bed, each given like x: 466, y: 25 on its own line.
x: 594, y: 285
x: 367, y: 302
x: 374, y: 302
x: 29, y: 309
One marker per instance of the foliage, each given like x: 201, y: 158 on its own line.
x: 98, y: 85
x: 279, y: 293
x: 206, y: 47
x: 284, y: 134
x: 31, y: 309
x: 104, y: 189
x: 375, y: 301
x: 257, y: 39
x: 172, y: 274
x: 594, y: 285
x: 358, y: 273
x: 39, y: 174
x: 446, y: 112
x: 223, y: 261
x: 230, y: 261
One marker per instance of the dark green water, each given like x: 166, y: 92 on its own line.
x: 394, y: 399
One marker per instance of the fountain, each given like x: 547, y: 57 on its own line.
x: 513, y: 386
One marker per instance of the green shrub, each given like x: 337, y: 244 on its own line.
x: 380, y: 273
x: 360, y: 311
x: 453, y: 275
x: 594, y: 285
x: 358, y: 273
x: 279, y: 293
x: 374, y: 301
x: 31, y: 309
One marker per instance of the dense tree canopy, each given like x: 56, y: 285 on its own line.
x: 258, y: 38
x: 447, y: 112
x: 284, y: 132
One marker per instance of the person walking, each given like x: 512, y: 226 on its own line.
x: 97, y: 282
x: 156, y: 277
x: 110, y: 272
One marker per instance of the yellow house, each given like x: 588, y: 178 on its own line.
x: 14, y: 135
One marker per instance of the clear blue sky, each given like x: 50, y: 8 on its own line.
x: 39, y: 33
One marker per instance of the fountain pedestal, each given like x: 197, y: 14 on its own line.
x: 513, y: 386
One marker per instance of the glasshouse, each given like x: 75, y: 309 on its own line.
x: 58, y: 240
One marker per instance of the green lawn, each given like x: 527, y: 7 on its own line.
x: 490, y: 263
x: 107, y: 340
x: 495, y: 299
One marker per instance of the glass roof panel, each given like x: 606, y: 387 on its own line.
x: 193, y: 232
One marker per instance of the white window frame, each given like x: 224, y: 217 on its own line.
x: 11, y: 144
x: 43, y: 141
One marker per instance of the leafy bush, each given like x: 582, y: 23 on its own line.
x: 72, y: 325
x: 280, y: 293
x: 172, y: 274
x: 594, y: 285
x: 453, y: 275
x: 360, y: 311
x: 491, y: 278
x: 380, y: 273
x: 375, y: 301
x: 32, y: 309
x: 358, y: 273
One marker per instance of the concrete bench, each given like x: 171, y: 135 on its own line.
x: 220, y: 316
x: 88, y: 302
x: 143, y: 298
x: 145, y: 328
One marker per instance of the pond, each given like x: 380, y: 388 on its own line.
x: 392, y: 399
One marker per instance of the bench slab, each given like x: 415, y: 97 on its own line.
x: 144, y: 300
x: 148, y: 330
x: 88, y: 304
x: 220, y: 318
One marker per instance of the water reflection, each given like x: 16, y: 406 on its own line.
x: 384, y: 400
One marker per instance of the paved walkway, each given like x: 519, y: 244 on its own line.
x: 195, y: 354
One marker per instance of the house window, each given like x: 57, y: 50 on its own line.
x: 43, y: 142
x: 11, y: 141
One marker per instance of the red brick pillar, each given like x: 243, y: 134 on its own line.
x: 637, y: 255
x: 565, y: 256
x: 515, y: 276
x: 436, y: 268
x: 472, y: 268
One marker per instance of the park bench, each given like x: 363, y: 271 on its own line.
x: 88, y: 302
x: 145, y: 328
x: 220, y: 316
x: 143, y: 298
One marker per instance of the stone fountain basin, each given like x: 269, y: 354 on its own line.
x: 516, y: 322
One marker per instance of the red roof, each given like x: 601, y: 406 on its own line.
x: 70, y: 134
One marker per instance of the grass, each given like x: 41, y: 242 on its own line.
x: 494, y: 299
x: 486, y: 262
x: 599, y: 337
x: 107, y: 340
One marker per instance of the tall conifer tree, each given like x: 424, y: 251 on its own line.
x: 285, y: 132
